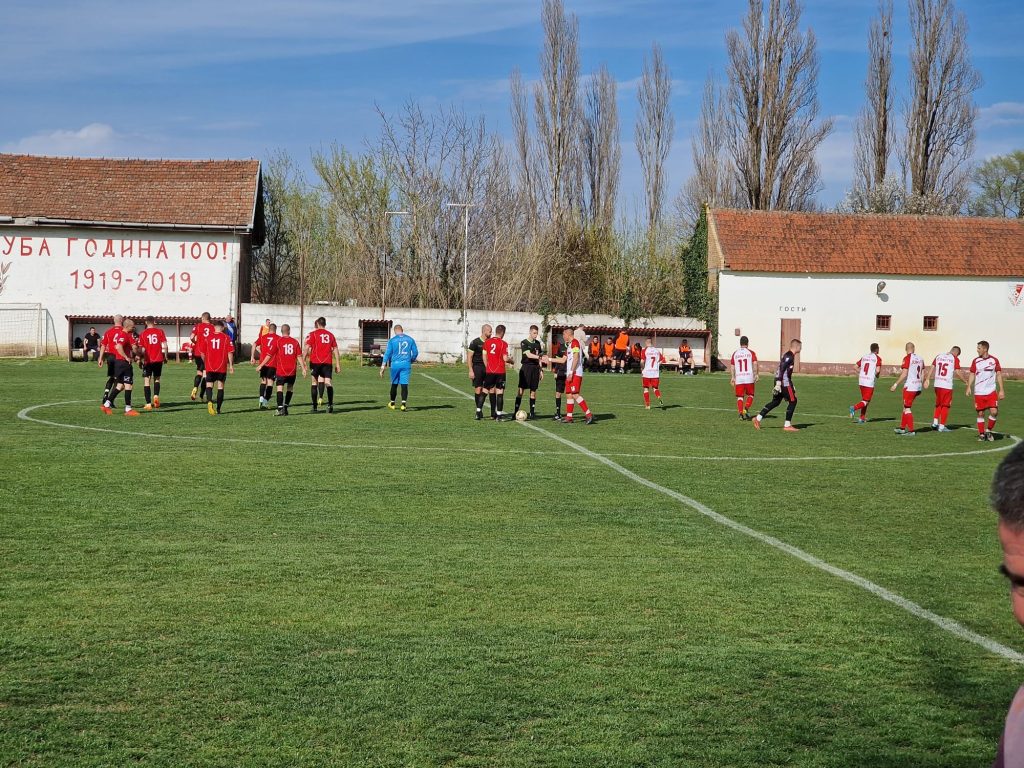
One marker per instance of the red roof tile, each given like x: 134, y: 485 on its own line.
x: 775, y: 241
x: 183, y: 192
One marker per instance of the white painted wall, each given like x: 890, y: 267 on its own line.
x: 439, y: 333
x: 78, y: 271
x: 838, y: 313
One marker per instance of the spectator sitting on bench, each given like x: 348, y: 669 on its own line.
x: 685, y: 358
x: 636, y: 354
x: 92, y: 345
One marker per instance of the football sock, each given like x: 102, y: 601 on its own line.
x: 558, y: 406
x: 568, y: 408
x: 330, y: 395
x: 945, y: 415
x: 288, y: 397
x: 479, y: 399
x: 263, y: 391
x: 312, y: 394
x: 657, y: 393
x: 647, y: 397
x: 156, y: 387
x: 405, y: 392
x: 127, y: 399
x: 394, y: 391
x: 147, y: 393
x: 320, y: 386
x: 519, y: 402
x: 749, y: 402
x: 739, y: 404
x: 494, y: 406
x: 209, y: 393
x: 908, y: 421
x: 937, y: 415
x: 196, y: 380
x: 991, y: 423
x: 583, y: 405
x: 109, y: 385
x: 501, y: 402
x: 280, y: 399
x: 533, y: 405
x: 112, y: 398
x: 981, y: 425
x: 220, y: 399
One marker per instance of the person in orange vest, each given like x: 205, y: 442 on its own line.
x: 685, y: 358
x: 621, y: 351
x: 607, y: 350
x: 595, y: 352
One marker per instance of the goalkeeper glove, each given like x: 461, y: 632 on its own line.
x: 778, y: 388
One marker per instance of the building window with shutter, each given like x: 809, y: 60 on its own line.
x: 883, y: 322
x: 931, y: 322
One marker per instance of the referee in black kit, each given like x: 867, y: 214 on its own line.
x: 530, y: 373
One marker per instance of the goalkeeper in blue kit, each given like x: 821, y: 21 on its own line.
x: 400, y: 354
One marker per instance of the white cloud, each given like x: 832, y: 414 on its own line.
x: 1001, y: 114
x: 95, y: 139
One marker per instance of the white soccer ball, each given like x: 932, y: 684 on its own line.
x: 520, y: 415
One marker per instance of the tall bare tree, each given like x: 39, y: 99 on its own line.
x: 940, y: 112
x: 873, y: 129
x: 655, y: 125
x: 526, y: 170
x: 557, y: 111
x: 714, y: 179
x: 601, y: 150
x: 772, y: 100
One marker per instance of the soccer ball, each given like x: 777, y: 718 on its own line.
x: 520, y: 415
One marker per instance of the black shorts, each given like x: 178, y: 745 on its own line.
x: 266, y: 372
x: 560, y: 384
x: 124, y: 373
x: 111, y: 359
x: 529, y: 377
x: 200, y: 364
x: 494, y: 381
x: 620, y: 354
x: 479, y: 374
x: 212, y: 377
x: 285, y: 380
x: 320, y: 370
x: 153, y: 369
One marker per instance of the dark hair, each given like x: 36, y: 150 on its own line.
x: 1008, y: 489
x: 205, y: 317
x: 286, y: 328
x: 218, y: 323
x: 272, y: 326
x: 534, y: 328
x: 744, y: 341
x: 499, y: 329
x: 983, y: 344
x: 321, y: 322
x: 874, y: 347
x: 958, y: 350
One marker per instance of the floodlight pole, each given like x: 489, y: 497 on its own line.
x: 465, y: 271
x: 384, y: 259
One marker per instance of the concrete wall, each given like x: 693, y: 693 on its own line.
x: 101, y: 272
x: 837, y: 316
x: 439, y: 333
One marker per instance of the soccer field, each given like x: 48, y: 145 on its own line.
x: 376, y: 588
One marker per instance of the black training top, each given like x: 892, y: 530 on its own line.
x: 534, y: 346
x: 476, y: 346
x: 785, y: 373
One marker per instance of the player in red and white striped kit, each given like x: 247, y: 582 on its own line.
x: 944, y: 367
x: 743, y: 366
x: 651, y: 376
x: 986, y: 373
x: 913, y: 372
x: 869, y: 368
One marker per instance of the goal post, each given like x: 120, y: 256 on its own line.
x: 21, y: 330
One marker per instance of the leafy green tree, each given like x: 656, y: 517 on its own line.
x: 1000, y: 183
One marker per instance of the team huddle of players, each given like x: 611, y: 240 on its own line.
x: 983, y: 379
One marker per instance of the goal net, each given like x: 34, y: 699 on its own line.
x: 21, y: 330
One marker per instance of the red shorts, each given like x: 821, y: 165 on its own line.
x: 573, y: 385
x: 744, y: 390
x: 649, y: 383
x: 909, y: 398
x: 866, y: 393
x: 981, y: 402
x: 943, y: 397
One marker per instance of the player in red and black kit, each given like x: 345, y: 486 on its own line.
x: 154, y: 351
x: 321, y: 350
x: 783, y: 388
x: 264, y: 347
x: 286, y: 356
x: 495, y: 352
x: 477, y: 371
x: 123, y: 343
x: 218, y: 355
x: 108, y: 355
x: 200, y: 333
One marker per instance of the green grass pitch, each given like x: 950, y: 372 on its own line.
x: 375, y: 588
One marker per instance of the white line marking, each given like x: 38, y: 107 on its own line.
x: 24, y: 416
x: 953, y: 627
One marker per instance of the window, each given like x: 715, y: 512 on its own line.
x: 883, y: 322
x: 931, y: 322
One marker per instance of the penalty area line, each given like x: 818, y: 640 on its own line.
x: 948, y: 625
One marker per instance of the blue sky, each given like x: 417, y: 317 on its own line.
x: 230, y: 79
